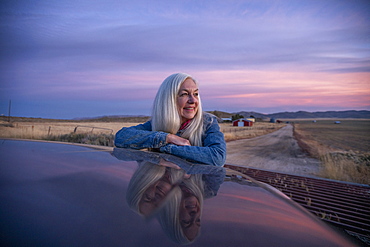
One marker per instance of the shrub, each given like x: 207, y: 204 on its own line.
x: 346, y: 167
x: 85, y: 138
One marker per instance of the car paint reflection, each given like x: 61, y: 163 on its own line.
x: 173, y: 194
x: 67, y: 195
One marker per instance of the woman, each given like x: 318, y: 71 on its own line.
x: 178, y: 125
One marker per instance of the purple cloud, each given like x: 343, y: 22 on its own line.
x: 108, y: 50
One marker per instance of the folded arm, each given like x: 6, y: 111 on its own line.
x: 213, y: 151
x: 139, y: 137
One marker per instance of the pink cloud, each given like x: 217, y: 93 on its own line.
x: 287, y: 88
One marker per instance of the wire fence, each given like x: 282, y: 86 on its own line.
x: 50, y: 131
x: 92, y: 129
x: 36, y: 131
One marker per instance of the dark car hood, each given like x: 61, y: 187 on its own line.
x: 68, y: 195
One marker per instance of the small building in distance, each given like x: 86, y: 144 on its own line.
x: 242, y: 123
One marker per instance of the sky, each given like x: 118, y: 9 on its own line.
x: 86, y: 58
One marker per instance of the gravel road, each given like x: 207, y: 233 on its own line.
x: 277, y: 151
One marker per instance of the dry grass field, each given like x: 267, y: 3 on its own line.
x: 52, y: 129
x: 40, y: 130
x: 344, y: 149
x: 96, y: 133
x: 232, y: 133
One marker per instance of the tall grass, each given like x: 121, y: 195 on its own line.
x: 45, y: 130
x: 346, y: 167
x: 95, y: 134
x: 343, y: 155
x: 85, y: 138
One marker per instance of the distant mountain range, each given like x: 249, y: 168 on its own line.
x: 221, y: 114
x: 110, y: 117
x: 304, y: 114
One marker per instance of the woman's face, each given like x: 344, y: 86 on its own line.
x: 187, y: 100
x: 190, y: 215
x: 154, y: 195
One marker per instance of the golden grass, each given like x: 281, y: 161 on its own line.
x: 41, y: 130
x: 344, y: 149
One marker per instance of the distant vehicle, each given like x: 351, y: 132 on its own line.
x: 337, y: 122
x: 55, y: 194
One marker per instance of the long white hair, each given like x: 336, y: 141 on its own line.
x: 169, y: 215
x: 165, y: 115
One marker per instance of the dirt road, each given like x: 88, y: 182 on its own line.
x: 277, y: 151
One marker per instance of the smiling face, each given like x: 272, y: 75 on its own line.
x: 154, y: 195
x: 190, y: 214
x: 188, y: 100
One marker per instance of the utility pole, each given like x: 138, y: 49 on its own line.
x: 10, y: 106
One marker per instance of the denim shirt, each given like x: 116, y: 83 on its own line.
x: 213, y: 151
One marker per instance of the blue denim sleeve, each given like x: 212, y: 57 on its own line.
x: 139, y: 137
x: 213, y: 151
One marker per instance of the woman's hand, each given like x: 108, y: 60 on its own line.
x: 177, y: 140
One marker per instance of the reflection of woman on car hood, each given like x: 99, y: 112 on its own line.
x: 180, y: 217
x: 213, y: 176
x: 175, y: 196
x: 150, y: 186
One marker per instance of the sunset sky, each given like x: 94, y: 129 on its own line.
x: 86, y: 58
